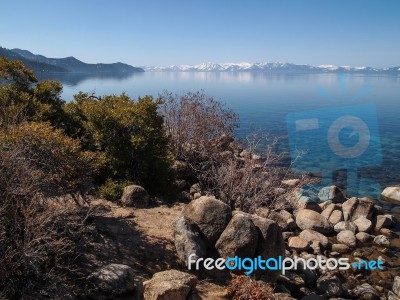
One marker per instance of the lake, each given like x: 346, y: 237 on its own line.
x: 274, y: 102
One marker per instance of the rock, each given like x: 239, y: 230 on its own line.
x: 345, y: 225
x: 364, y: 237
x: 262, y: 212
x: 195, y: 188
x: 391, y: 194
x: 336, y: 217
x: 357, y: 207
x: 298, y: 244
x: 330, y: 285
x: 395, y: 243
x: 239, y: 238
x: 328, y: 210
x: 287, y: 234
x: 340, y: 248
x: 291, y: 182
x: 210, y: 215
x: 388, y: 233
x: 187, y: 240
x: 331, y: 193
x: 309, y: 219
x: 347, y: 237
x: 135, y: 196
x: 110, y: 281
x: 384, y: 221
x: 366, y: 292
x: 180, y: 168
x: 396, y: 286
x: 310, y: 235
x: 363, y: 224
x: 392, y: 296
x: 382, y: 240
x: 283, y: 218
x: 184, y: 196
x: 196, y: 196
x: 282, y: 296
x: 304, y: 204
x: 270, y: 244
x: 169, y: 285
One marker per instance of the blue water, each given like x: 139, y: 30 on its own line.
x: 265, y: 101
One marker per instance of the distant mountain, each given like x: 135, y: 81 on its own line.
x: 40, y: 63
x: 273, y: 67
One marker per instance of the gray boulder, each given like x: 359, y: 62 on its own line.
x: 135, y: 196
x: 331, y: 193
x: 357, y: 207
x: 188, y: 240
x: 239, y: 238
x: 345, y: 225
x: 363, y: 224
x: 330, y: 285
x: 384, y: 221
x: 298, y: 244
x: 310, y: 235
x: 347, y: 237
x: 366, y: 292
x: 169, y: 285
x: 364, y: 237
x: 309, y: 219
x: 396, y: 286
x: 391, y: 194
x: 110, y: 281
x: 382, y: 240
x: 210, y: 215
x: 336, y: 217
x: 340, y: 248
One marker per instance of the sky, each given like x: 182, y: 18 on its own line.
x: 155, y: 33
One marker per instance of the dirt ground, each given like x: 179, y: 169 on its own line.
x: 141, y: 239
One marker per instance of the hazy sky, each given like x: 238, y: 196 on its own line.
x: 340, y: 32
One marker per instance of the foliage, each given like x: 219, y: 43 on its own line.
x: 129, y: 136
x: 244, y: 288
x: 112, y: 189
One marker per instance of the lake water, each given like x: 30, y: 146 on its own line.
x: 270, y: 101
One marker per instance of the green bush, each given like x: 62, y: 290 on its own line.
x: 112, y: 189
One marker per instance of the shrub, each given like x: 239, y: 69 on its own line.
x: 244, y: 288
x: 112, y: 189
x: 130, y: 138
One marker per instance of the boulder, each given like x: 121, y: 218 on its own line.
x: 239, y: 238
x: 330, y: 285
x: 283, y: 218
x: 364, y: 237
x: 110, y: 281
x: 347, y: 237
x: 310, y: 235
x: 188, y: 240
x: 270, y: 244
x: 311, y: 205
x: 391, y: 194
x: 392, y: 296
x: 195, y: 188
x: 366, y: 292
x: 363, y: 224
x: 210, y: 215
x: 336, y: 217
x: 309, y: 219
x: 396, y: 286
x: 345, y: 225
x: 328, y: 210
x: 340, y: 248
x: 331, y: 193
x: 382, y: 240
x: 357, y: 207
x: 169, y: 285
x: 291, y: 182
x: 135, y: 196
x: 384, y: 221
x: 298, y: 244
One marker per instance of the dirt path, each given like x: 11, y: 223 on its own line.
x: 142, y: 239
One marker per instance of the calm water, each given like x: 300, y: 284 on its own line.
x: 264, y: 101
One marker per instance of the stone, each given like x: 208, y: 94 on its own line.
x: 357, y: 207
x: 347, y: 237
x: 345, y: 225
x: 392, y: 296
x: 336, y: 217
x: 340, y: 248
x: 239, y: 238
x: 382, y: 240
x: 396, y: 286
x: 287, y: 234
x: 210, y: 215
x: 395, y: 243
x: 196, y: 196
x: 169, y: 285
x: 330, y: 285
x: 270, y: 244
x: 291, y: 182
x: 364, y: 237
x: 348, y: 207
x: 311, y: 205
x: 309, y: 219
x: 195, y: 188
x: 328, y: 210
x: 135, y: 196
x: 298, y: 244
x: 391, y: 194
x: 388, y: 233
x: 363, y: 224
x: 310, y: 235
x: 110, y: 281
x: 187, y: 240
x: 262, y: 212
x: 184, y: 196
x: 384, y: 221
x: 331, y: 193
x: 365, y: 291
x: 283, y: 218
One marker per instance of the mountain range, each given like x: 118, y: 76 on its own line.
x: 275, y: 67
x: 40, y: 63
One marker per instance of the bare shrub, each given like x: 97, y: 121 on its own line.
x: 244, y: 288
x: 40, y: 237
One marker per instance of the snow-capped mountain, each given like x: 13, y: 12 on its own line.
x: 270, y: 67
